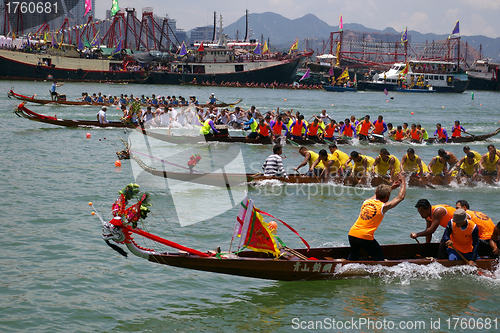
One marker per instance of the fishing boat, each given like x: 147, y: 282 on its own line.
x: 339, y: 88
x: 24, y: 112
x: 62, y: 101
x: 483, y: 75
x: 65, y: 64
x: 266, y: 256
x: 442, y: 76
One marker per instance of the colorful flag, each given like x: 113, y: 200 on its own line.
x: 88, y: 7
x: 341, y: 24
x: 265, y: 49
x: 405, y: 70
x: 345, y: 74
x: 183, y: 50
x: 255, y: 234
x: 201, y: 47
x: 95, y: 41
x: 385, y: 91
x: 80, y: 44
x: 241, y: 217
x: 114, y: 8
x: 305, y: 76
x: 53, y: 41
x: 404, y: 36
x: 257, y: 49
x: 295, y: 46
x: 455, y: 31
x: 118, y: 48
x: 331, y: 72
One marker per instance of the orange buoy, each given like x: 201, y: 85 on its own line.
x: 285, y: 99
x: 88, y: 135
x: 93, y: 213
x: 118, y: 164
x: 412, y: 113
x: 90, y: 203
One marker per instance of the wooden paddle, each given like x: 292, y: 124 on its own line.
x: 460, y: 254
x: 468, y: 133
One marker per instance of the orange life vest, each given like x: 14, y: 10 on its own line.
x: 263, y: 130
x: 462, y: 239
x: 297, y: 128
x: 329, y: 130
x: 313, y: 130
x: 400, y: 135
x: 365, y: 127
x: 415, y: 135
x: 277, y: 127
x: 457, y: 133
x: 484, y: 224
x: 379, y: 127
x: 348, y: 130
x: 369, y: 219
x: 441, y: 134
x: 447, y: 217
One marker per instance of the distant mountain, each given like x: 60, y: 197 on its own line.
x: 282, y: 32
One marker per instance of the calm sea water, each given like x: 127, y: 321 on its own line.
x: 57, y: 275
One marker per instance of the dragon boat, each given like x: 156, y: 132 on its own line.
x: 61, y: 100
x: 262, y: 254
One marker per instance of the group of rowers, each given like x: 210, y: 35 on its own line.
x: 272, y: 125
x: 124, y: 99
x: 445, y: 164
x: 274, y: 85
x: 467, y: 233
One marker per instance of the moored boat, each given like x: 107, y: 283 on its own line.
x: 442, y: 76
x: 339, y: 88
x: 483, y: 75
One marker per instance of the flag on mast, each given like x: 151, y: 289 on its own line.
x: 257, y: 49
x: 341, y: 24
x: 88, y: 7
x: 295, y: 46
x: 265, y: 49
x: 455, y: 31
x: 183, y: 50
x: 306, y: 75
x: 114, y: 8
x: 404, y: 36
x: 201, y: 47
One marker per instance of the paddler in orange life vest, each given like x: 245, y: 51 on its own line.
x: 415, y: 134
x: 278, y: 126
x: 296, y: 128
x: 348, y: 129
x: 435, y: 216
x: 361, y: 234
x: 490, y: 163
x: 366, y: 126
x: 441, y: 133
x: 457, y: 129
x: 461, y: 235
x: 309, y: 158
x: 400, y: 134
x: 379, y: 126
x: 314, y: 130
x: 264, y: 129
x: 330, y: 130
x: 484, y: 224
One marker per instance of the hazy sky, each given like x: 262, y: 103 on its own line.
x: 477, y: 17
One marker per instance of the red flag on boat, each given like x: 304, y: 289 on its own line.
x: 201, y: 48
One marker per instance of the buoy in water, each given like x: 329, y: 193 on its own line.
x: 93, y: 213
x: 412, y: 112
x: 88, y: 135
x: 90, y: 203
x: 118, y: 164
x: 285, y: 99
